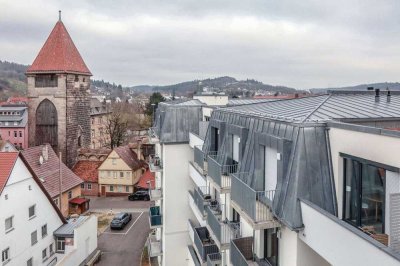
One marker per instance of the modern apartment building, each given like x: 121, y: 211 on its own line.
x: 306, y: 181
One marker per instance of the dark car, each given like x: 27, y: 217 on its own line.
x: 120, y: 220
x: 139, y: 195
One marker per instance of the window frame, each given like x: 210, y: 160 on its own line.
x: 6, y: 252
x: 12, y: 224
x: 34, y: 212
x: 44, y: 230
x: 34, y: 233
x: 89, y: 186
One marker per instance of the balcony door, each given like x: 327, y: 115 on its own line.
x: 271, y: 246
x: 214, y: 139
x: 235, y: 149
x: 270, y: 168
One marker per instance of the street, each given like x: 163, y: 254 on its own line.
x: 123, y: 247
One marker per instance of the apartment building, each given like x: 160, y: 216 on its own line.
x: 14, y: 125
x: 307, y: 181
x: 120, y: 172
x: 31, y: 221
x: 98, y: 124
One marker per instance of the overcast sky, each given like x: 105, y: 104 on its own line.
x: 297, y: 43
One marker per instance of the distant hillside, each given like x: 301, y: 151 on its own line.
x: 12, y: 80
x: 382, y: 85
x: 223, y: 83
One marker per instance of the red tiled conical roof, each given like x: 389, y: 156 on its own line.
x: 59, y: 54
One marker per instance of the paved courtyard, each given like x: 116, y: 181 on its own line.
x: 123, y: 247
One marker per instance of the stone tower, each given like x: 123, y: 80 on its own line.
x: 59, y: 100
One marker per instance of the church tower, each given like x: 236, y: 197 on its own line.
x: 59, y: 100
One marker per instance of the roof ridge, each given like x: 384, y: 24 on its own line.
x: 316, y: 108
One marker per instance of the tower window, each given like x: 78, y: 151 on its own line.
x: 42, y: 81
x: 76, y: 78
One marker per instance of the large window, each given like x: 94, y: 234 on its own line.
x: 33, y: 238
x: 5, y: 255
x: 9, y: 224
x: 32, y: 211
x: 60, y: 244
x: 46, y: 81
x: 364, y: 195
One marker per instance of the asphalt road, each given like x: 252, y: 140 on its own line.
x: 123, y: 247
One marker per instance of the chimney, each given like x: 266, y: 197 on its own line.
x: 296, y: 95
x: 377, y: 94
x: 388, y: 95
x: 45, y: 153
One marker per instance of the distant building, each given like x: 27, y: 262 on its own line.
x: 211, y: 98
x: 46, y: 165
x: 7, y: 146
x: 98, y: 124
x: 35, y: 231
x: 88, y: 171
x: 120, y: 172
x: 58, y: 92
x: 14, y: 125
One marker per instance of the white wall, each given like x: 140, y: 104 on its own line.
x: 20, y: 198
x: 176, y: 183
x: 338, y: 245
x: 85, y: 242
x: 212, y: 99
x: 197, y: 178
x: 288, y: 247
x: 194, y: 140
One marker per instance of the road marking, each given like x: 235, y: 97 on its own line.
x: 110, y: 233
x: 134, y: 223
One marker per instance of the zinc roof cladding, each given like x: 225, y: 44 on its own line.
x: 22, y: 118
x: 183, y: 102
x: 234, y: 102
x: 67, y: 230
x: 324, y: 108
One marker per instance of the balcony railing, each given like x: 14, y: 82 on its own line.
x: 223, y: 230
x: 155, y: 246
x: 155, y: 163
x: 256, y: 204
x: 155, y: 217
x: 200, y: 158
x: 204, y: 243
x: 214, y: 259
x: 156, y: 194
x: 220, y: 174
x: 153, y: 138
x: 201, y: 196
x: 241, y: 251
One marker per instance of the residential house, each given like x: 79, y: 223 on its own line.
x: 98, y: 124
x: 88, y: 171
x: 63, y: 186
x: 31, y: 218
x: 119, y: 172
x: 7, y: 146
x: 14, y: 125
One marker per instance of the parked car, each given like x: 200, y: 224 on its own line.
x: 139, y: 195
x: 120, y: 220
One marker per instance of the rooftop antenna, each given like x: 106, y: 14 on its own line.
x: 59, y: 15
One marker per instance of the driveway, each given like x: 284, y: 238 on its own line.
x: 123, y: 247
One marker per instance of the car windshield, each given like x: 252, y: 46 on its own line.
x: 119, y: 216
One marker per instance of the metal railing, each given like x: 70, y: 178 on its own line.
x: 204, y: 243
x: 155, y: 246
x: 241, y: 251
x: 214, y: 259
x: 153, y: 138
x: 256, y: 204
x: 224, y: 230
x: 220, y: 174
x: 155, y: 162
x: 155, y: 216
x: 200, y: 196
x: 200, y: 158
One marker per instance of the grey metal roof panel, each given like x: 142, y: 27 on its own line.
x: 241, y: 101
x: 67, y: 230
x: 182, y: 102
x: 325, y: 107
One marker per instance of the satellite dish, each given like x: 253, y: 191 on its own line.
x: 41, y: 160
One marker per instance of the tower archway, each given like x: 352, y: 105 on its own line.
x: 47, y: 124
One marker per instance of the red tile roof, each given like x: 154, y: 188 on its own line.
x: 78, y: 201
x: 7, y: 161
x: 87, y: 170
x: 146, y: 177
x: 49, y: 170
x: 59, y: 55
x: 129, y: 157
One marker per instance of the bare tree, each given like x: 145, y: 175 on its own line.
x: 116, y: 126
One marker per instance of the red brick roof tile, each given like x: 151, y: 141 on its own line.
x: 87, y: 170
x: 49, y: 170
x: 59, y: 55
x: 7, y: 161
x: 129, y: 157
x: 147, y: 177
